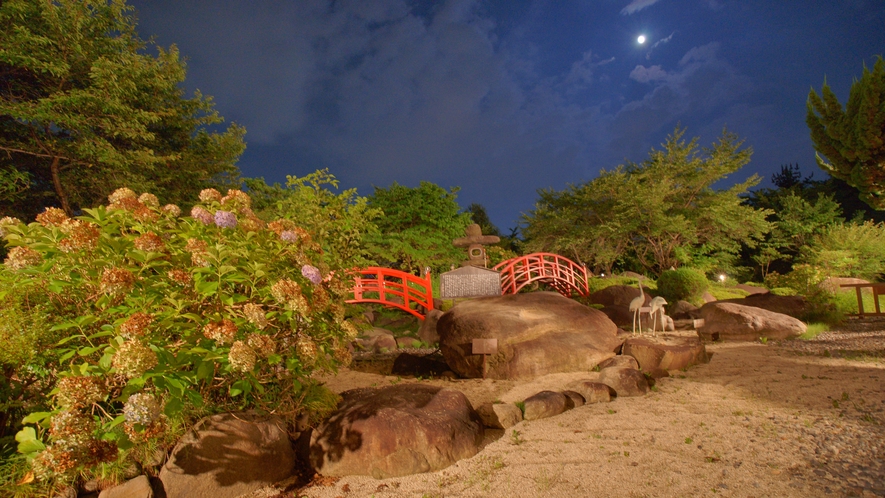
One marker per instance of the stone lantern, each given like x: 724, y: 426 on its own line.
x: 474, y: 242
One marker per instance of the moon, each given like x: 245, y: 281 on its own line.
x: 641, y: 39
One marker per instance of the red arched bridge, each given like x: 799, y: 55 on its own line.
x: 393, y: 288
x: 403, y: 290
x: 561, y: 273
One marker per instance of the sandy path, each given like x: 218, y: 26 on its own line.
x: 757, y: 421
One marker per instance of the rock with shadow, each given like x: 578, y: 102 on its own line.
x: 395, y: 431
x: 227, y: 455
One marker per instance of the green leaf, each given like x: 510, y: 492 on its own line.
x: 173, y: 407
x: 207, y: 288
x: 117, y: 421
x: 35, y: 417
x: 205, y: 370
x: 28, y: 442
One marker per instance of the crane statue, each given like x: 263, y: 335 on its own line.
x: 657, y: 308
x: 636, y: 307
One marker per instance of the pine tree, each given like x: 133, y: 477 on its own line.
x: 853, y: 138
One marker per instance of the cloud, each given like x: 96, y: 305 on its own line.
x: 659, y: 42
x: 636, y: 6
x: 644, y: 74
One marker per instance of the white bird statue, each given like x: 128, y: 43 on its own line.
x: 636, y: 306
x: 657, y: 307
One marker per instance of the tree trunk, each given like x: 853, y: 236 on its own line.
x: 59, y: 191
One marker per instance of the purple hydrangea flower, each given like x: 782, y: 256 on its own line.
x: 312, y: 273
x: 225, y: 219
x: 201, y: 215
x: 289, y: 236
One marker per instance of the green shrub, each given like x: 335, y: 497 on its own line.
x: 783, y: 291
x: 164, y: 317
x: 720, y: 292
x: 683, y: 284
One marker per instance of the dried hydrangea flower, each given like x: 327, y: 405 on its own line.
x: 251, y: 224
x: 133, y: 359
x: 222, y: 332
x: 262, y: 344
x: 136, y: 325
x: 149, y: 200
x: 289, y: 236
x: 53, y: 462
x: 21, y: 257
x: 79, y: 391
x: 225, y: 219
x: 52, y: 217
x: 255, y: 314
x: 350, y: 330
x: 236, y: 199
x: 144, y: 214
x: 116, y: 280
x: 143, y: 433
x: 288, y: 293
x: 71, y: 429
x: 129, y: 204
x: 6, y: 222
x: 180, y: 277
x: 242, y: 358
x: 209, y: 195
x: 199, y: 259
x: 120, y: 194
x: 343, y: 355
x: 142, y: 408
x: 312, y: 273
x: 81, y: 235
x: 306, y: 350
x: 280, y: 225
x: 101, y: 452
x: 149, y: 242
x: 171, y: 210
x: 196, y: 245
x: 200, y: 214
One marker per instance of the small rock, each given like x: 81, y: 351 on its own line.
x: 576, y: 397
x: 140, y: 487
x: 592, y: 391
x: 499, y: 415
x: 546, y: 404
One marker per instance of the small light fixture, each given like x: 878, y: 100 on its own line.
x: 722, y: 278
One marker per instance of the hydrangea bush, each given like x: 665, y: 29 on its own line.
x: 165, y: 314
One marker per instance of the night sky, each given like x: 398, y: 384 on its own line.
x: 503, y: 97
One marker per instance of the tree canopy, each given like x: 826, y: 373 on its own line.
x: 660, y: 213
x: 853, y: 138
x: 418, y: 226
x: 86, y: 108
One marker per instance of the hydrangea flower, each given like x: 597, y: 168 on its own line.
x: 79, y: 391
x: 225, y: 219
x: 312, y: 273
x: 116, y: 280
x: 52, y: 217
x: 306, y: 350
x: 222, y: 332
x: 255, y: 314
x: 289, y: 236
x: 149, y: 200
x: 71, y: 429
x: 21, y: 257
x: 288, y: 293
x: 53, y: 461
x: 142, y: 408
x: 81, y: 235
x: 136, y: 325
x: 209, y: 195
x: 171, y: 210
x: 133, y: 359
x: 242, y: 358
x: 261, y: 344
x: 180, y: 277
x: 236, y: 199
x: 120, y: 194
x: 6, y: 222
x: 150, y: 242
x: 200, y: 214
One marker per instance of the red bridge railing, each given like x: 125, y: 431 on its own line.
x: 561, y: 273
x: 393, y: 288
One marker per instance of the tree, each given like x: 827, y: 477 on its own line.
x: 661, y: 212
x: 418, y: 226
x: 853, y: 139
x: 84, y: 108
x: 479, y: 216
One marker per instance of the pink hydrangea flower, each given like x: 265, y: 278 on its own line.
x: 200, y: 214
x: 312, y: 273
x: 225, y: 219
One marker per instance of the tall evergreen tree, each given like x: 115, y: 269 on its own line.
x: 86, y: 108
x: 853, y: 138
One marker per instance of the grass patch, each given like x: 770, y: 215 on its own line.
x: 813, y: 330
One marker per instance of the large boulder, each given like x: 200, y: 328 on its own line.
x: 427, y: 332
x: 666, y: 354
x: 734, y: 322
x: 785, y: 305
x: 227, y: 455
x: 395, y: 431
x: 538, y: 334
x: 617, y: 295
x: 624, y: 381
x: 683, y: 310
x: 546, y: 404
